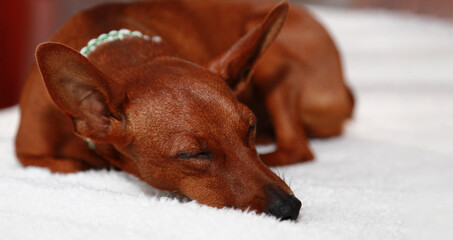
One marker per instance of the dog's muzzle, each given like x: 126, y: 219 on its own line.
x: 281, y: 204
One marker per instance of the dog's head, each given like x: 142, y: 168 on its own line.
x: 174, y: 124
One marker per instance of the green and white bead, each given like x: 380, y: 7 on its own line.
x: 113, y: 36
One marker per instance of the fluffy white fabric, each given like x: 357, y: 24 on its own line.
x: 389, y: 177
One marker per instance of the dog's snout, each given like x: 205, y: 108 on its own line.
x: 285, y: 209
x: 281, y: 204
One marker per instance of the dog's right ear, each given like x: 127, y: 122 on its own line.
x: 237, y: 63
x: 79, y: 89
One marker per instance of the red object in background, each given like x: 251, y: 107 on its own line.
x: 13, y: 35
x: 23, y: 25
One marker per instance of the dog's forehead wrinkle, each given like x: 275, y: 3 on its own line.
x: 157, y: 78
x: 206, y: 119
x: 180, y: 97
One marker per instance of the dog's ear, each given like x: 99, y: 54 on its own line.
x: 79, y: 89
x: 236, y: 64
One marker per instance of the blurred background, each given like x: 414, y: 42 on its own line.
x: 26, y: 23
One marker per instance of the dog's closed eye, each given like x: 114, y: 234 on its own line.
x: 199, y: 155
x: 251, y: 129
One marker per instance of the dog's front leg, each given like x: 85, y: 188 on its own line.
x: 292, y: 143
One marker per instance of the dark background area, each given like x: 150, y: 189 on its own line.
x: 26, y: 23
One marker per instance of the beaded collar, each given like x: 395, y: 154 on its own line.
x: 113, y: 36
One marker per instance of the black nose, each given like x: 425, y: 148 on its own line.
x: 286, y: 209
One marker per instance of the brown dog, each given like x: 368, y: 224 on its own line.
x: 161, y: 101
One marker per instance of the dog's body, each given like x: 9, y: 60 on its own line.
x: 169, y: 121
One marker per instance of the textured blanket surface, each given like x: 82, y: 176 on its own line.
x: 390, y: 176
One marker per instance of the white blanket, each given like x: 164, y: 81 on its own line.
x: 390, y: 176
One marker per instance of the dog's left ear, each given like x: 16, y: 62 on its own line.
x: 80, y: 90
x: 236, y: 64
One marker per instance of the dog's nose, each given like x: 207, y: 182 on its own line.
x: 286, y: 209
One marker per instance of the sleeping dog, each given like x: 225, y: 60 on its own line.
x: 178, y: 93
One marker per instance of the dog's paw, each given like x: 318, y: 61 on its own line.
x: 284, y: 156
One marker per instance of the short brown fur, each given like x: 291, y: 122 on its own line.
x: 181, y: 114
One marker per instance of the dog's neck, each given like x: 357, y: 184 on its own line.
x: 119, y: 51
